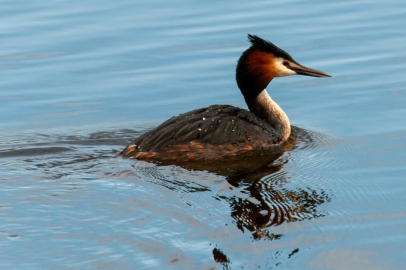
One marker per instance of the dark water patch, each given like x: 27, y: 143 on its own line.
x: 43, y: 144
x: 221, y: 258
x: 9, y: 234
x: 33, y: 152
x: 293, y: 252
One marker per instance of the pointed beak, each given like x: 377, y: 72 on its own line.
x: 301, y: 70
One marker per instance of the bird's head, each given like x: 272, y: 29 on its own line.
x: 262, y: 62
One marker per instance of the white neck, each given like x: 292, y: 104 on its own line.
x: 263, y: 106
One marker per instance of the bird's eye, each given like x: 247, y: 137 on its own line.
x: 285, y: 63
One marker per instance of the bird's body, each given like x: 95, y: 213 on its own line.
x: 213, y: 133
x: 222, y: 131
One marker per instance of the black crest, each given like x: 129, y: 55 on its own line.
x: 268, y: 46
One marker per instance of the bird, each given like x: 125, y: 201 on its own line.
x: 221, y: 132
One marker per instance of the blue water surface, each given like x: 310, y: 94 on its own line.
x: 81, y: 79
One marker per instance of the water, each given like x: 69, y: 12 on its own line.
x: 82, y: 79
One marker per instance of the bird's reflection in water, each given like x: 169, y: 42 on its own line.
x: 274, y: 205
x: 260, y: 175
x: 221, y: 258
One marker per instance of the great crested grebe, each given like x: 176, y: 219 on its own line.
x: 219, y: 132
